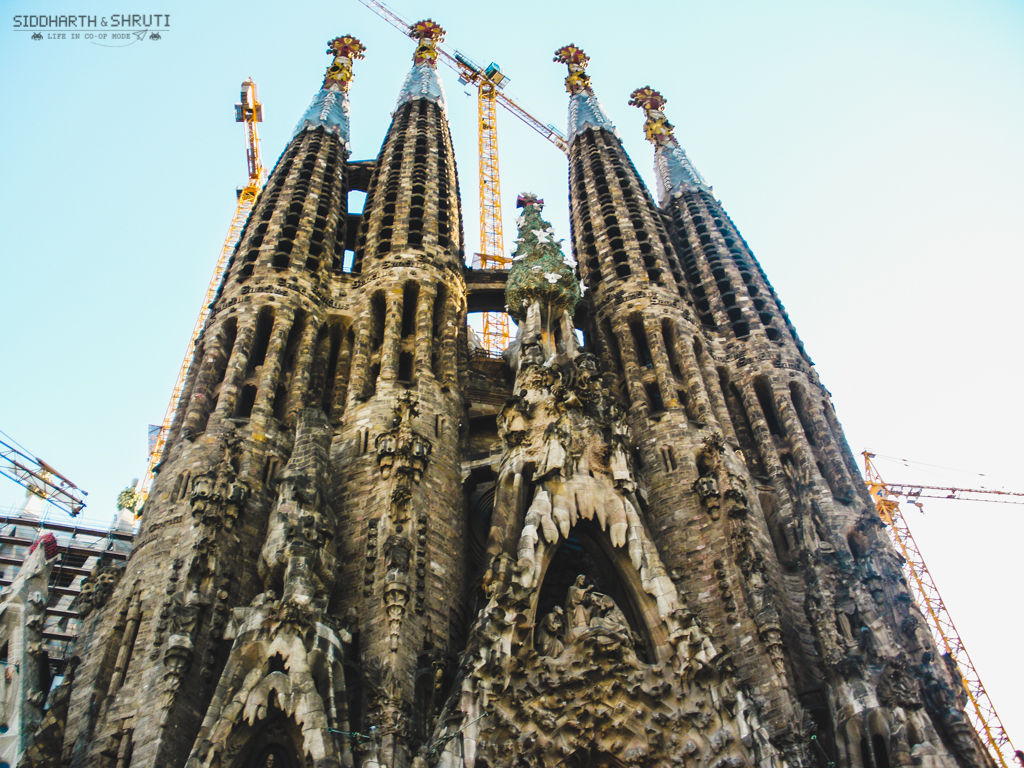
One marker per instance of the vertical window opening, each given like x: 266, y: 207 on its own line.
x: 291, y: 344
x: 405, y: 367
x: 261, y: 339
x: 764, y: 397
x: 327, y: 400
x: 613, y: 346
x: 377, y: 321
x: 776, y: 530
x: 797, y: 395
x: 227, y: 342
x: 280, y: 401
x: 440, y: 303
x: 865, y: 753
x: 246, y: 400
x: 740, y: 423
x: 668, y: 335
x: 654, y: 397
x: 880, y: 751
x: 643, y: 350
x: 409, y: 298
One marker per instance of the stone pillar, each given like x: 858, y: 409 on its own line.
x: 830, y: 452
x: 235, y: 373
x: 662, y: 364
x: 303, y: 368
x: 631, y: 367
x: 795, y: 434
x: 342, y: 375
x: 694, y: 382
x: 392, y: 334
x: 761, y: 433
x: 448, y: 346
x: 270, y: 376
x: 360, y: 359
x: 424, y: 321
x: 200, y: 402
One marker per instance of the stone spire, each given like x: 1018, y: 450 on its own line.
x: 541, y: 273
x: 585, y: 111
x: 673, y: 168
x: 422, y: 81
x: 329, y: 108
x: 412, y: 201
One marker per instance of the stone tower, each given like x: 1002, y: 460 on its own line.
x: 369, y: 544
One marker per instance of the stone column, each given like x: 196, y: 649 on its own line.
x: 235, y: 373
x: 631, y: 367
x: 424, y: 323
x: 360, y: 359
x: 761, y: 433
x: 200, y: 402
x: 341, y: 377
x: 270, y: 376
x: 694, y: 382
x: 392, y: 334
x: 795, y: 434
x: 662, y: 364
x: 303, y: 369
x: 831, y: 453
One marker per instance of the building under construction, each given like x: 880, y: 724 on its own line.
x: 366, y: 546
x: 41, y: 598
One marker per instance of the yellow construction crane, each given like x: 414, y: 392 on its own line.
x: 249, y: 110
x: 981, y: 711
x: 489, y: 81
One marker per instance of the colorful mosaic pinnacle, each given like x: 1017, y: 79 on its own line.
x: 577, y: 80
x: 540, y: 271
x: 345, y: 50
x: 657, y: 128
x: 428, y: 33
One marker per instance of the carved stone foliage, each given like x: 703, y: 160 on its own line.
x: 43, y: 749
x: 542, y: 690
x: 721, y: 485
x: 217, y: 496
x: 97, y: 587
x: 581, y: 689
x: 286, y: 662
x: 398, y: 554
x: 403, y: 453
x: 569, y: 427
x: 299, y: 553
x: 897, y: 686
x: 287, y: 655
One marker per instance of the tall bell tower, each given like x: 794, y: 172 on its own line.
x: 370, y: 546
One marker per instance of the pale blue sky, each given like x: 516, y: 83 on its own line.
x: 871, y: 153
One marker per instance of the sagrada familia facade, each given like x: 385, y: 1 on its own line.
x: 369, y: 545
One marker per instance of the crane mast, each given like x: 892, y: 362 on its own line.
x: 249, y: 110
x: 492, y: 242
x: 981, y: 711
x: 489, y: 82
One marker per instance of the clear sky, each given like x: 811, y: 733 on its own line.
x: 871, y: 153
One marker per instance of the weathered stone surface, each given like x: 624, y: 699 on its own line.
x: 369, y: 545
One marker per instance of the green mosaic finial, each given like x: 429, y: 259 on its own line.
x: 540, y: 271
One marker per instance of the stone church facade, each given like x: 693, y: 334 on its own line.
x: 370, y: 545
